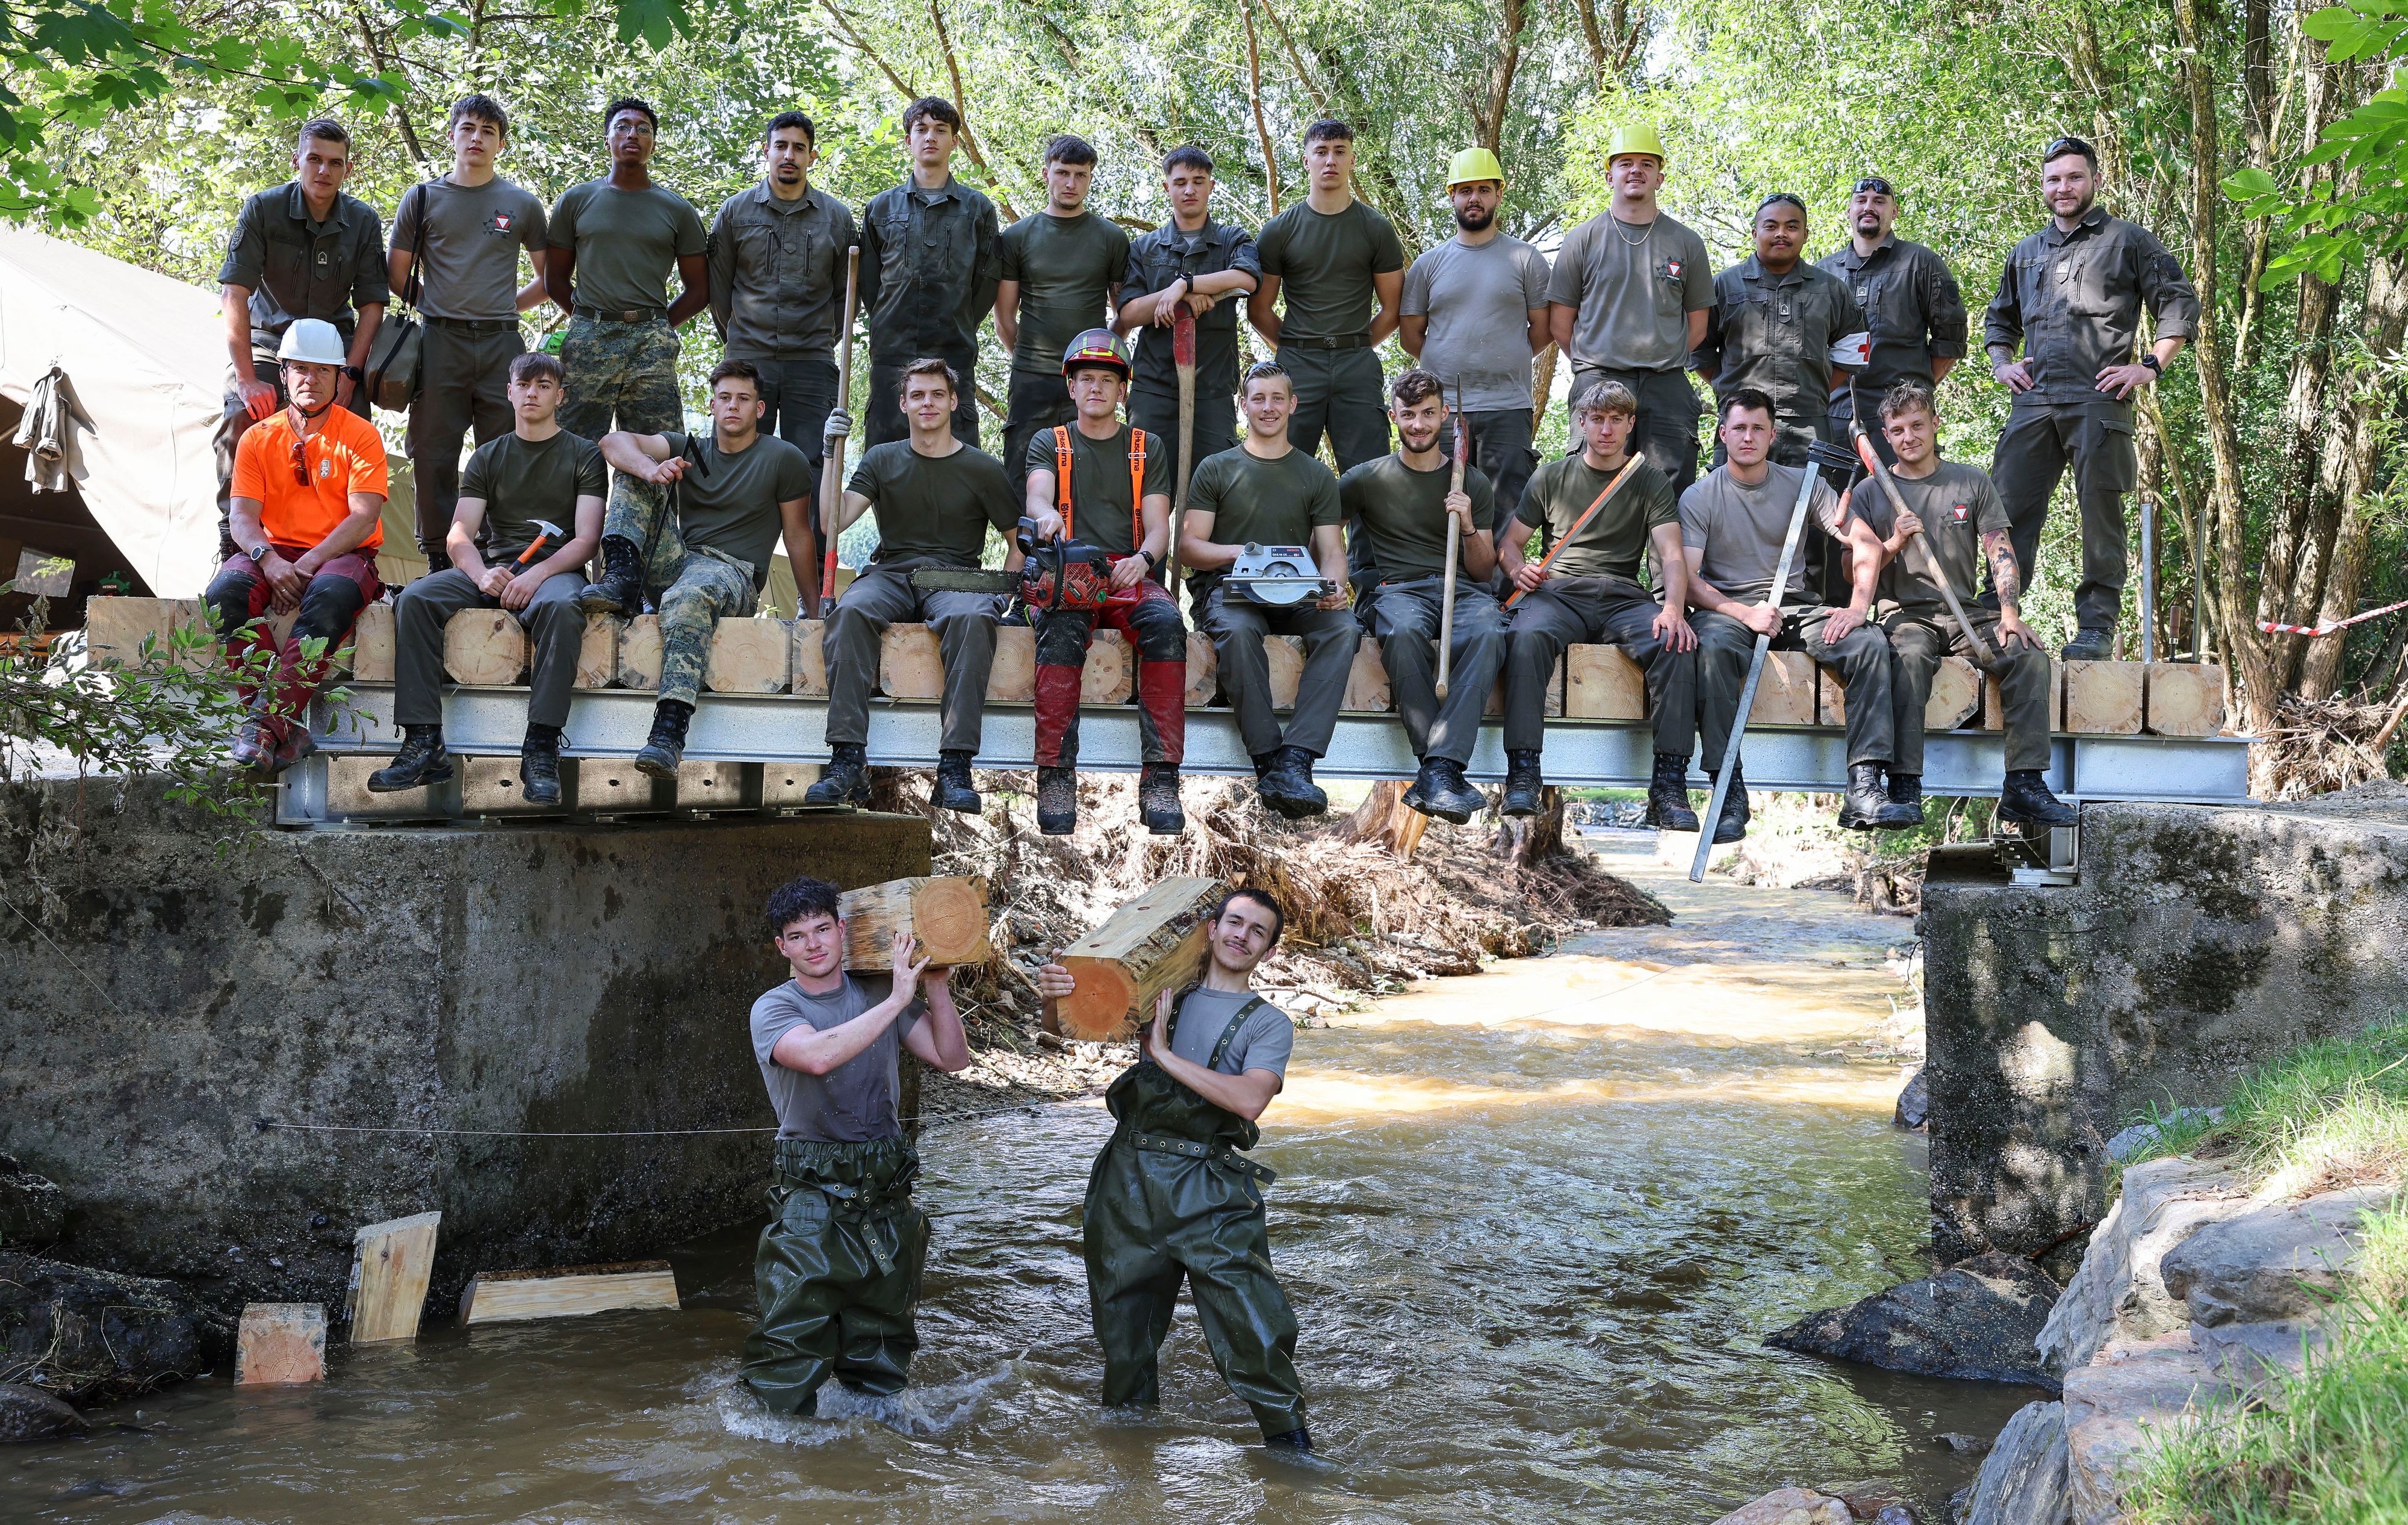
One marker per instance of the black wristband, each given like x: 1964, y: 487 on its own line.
x: 2151, y: 361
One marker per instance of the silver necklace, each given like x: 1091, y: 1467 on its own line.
x: 1628, y: 242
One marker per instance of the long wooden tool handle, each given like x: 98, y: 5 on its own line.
x: 1713, y: 816
x: 1580, y: 524
x: 1454, y: 545
x: 1183, y: 357
x: 1932, y: 572
x: 832, y: 470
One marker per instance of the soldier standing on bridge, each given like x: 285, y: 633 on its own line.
x: 1207, y: 264
x: 1057, y: 269
x: 1912, y: 306
x: 928, y: 273
x: 706, y: 554
x: 2072, y: 297
x: 935, y: 497
x: 538, y: 473
x: 1173, y: 1197
x: 1107, y: 484
x: 1266, y: 492
x: 837, y: 1270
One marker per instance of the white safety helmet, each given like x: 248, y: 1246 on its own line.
x: 313, y: 342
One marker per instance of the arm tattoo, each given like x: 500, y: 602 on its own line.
x: 2001, y: 557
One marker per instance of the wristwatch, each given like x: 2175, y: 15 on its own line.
x: 1149, y: 563
x: 2152, y: 361
x: 355, y: 373
x: 257, y: 552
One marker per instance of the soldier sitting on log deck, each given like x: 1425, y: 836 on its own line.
x: 934, y: 496
x: 838, y: 1272
x: 1266, y: 492
x: 1101, y: 482
x: 1173, y: 1197
x: 1964, y: 526
x: 1588, y: 589
x: 539, y: 474
x: 700, y: 517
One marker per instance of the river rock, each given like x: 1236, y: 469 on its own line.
x: 1914, y: 1107
x: 31, y: 1414
x: 2118, y: 1293
x: 2275, y: 1262
x: 2124, y: 1402
x: 2023, y: 1481
x: 1791, y: 1507
x: 94, y: 1336
x: 2254, y: 1356
x: 1974, y: 1322
x: 2139, y: 1136
x: 32, y: 1210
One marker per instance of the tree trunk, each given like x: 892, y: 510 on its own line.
x: 1527, y: 842
x: 2383, y: 325
x: 947, y: 914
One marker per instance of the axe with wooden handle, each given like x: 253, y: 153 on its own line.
x: 1454, y: 545
x: 1183, y: 357
x: 832, y: 471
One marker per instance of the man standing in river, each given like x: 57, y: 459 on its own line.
x: 1171, y: 1197
x: 838, y: 1272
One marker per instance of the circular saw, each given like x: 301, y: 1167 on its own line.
x: 1281, y: 576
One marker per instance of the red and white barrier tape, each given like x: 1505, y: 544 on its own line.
x: 2273, y: 629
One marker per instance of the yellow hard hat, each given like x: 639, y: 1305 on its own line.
x: 1473, y: 164
x: 1634, y: 139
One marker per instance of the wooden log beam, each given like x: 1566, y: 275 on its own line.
x: 640, y: 652
x: 502, y: 1297
x: 750, y: 656
x: 1955, y: 696
x: 390, y: 1267
x: 372, y: 636
x: 280, y: 1345
x: 484, y: 648
x: 1285, y: 656
x: 947, y: 913
x: 811, y: 660
x: 1603, y: 682
x: 1111, y: 675
x: 1013, y: 678
x: 1366, y: 682
x: 1154, y: 942
x: 2184, y: 698
x: 910, y: 664
x: 2104, y: 698
x: 1203, y: 671
x: 1786, y: 694
x: 597, y: 650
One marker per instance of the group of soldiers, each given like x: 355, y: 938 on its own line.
x: 583, y: 459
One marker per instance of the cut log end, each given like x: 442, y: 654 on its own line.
x: 1099, y: 1007
x: 950, y: 916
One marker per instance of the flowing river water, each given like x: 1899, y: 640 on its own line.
x: 1535, y: 1222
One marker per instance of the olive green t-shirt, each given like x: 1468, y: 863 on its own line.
x: 523, y: 480
x: 1099, y: 483
x: 1613, y: 544
x: 1066, y: 266
x: 1324, y: 263
x: 1958, y: 507
x: 933, y: 510
x: 626, y: 242
x: 1252, y: 500
x: 729, y: 503
x: 1404, y: 512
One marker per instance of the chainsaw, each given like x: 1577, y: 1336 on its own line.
x: 1060, y: 573
x: 1280, y: 576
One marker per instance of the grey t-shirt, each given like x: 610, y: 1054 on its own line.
x: 1733, y: 532
x: 855, y: 1100
x: 626, y: 243
x: 1958, y: 507
x: 1262, y: 1044
x: 1479, y: 299
x: 1633, y: 290
x: 469, y: 268
x: 730, y: 503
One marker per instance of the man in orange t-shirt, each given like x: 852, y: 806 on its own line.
x: 309, y: 487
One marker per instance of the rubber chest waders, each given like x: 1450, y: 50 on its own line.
x: 1173, y: 1197
x: 838, y: 1272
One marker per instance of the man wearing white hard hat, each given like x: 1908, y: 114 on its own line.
x: 308, y: 485
x: 1475, y: 313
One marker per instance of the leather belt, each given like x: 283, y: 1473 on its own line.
x: 476, y: 325
x: 634, y: 314
x: 1349, y: 341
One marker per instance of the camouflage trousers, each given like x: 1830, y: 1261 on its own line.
x: 693, y: 587
x: 621, y: 370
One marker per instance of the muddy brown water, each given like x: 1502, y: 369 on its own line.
x: 1535, y: 1222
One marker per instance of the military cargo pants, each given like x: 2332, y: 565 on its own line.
x: 1919, y: 638
x: 1568, y: 611
x: 2040, y: 441
x: 1037, y: 401
x: 1216, y: 422
x: 621, y: 376
x: 1238, y: 628
x: 693, y: 589
x: 797, y: 396
x: 1404, y: 620
x: 965, y: 625
x: 555, y: 626
x: 837, y: 1273
x: 1862, y: 659
x: 464, y: 380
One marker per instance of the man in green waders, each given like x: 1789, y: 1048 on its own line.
x: 839, y: 1268
x: 1170, y: 1197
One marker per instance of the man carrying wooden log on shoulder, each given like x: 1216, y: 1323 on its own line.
x: 1964, y: 527
x: 1102, y: 483
x: 934, y: 498
x: 838, y: 1272
x: 1590, y: 589
x: 708, y: 554
x: 1206, y: 264
x: 1057, y: 270
x: 1265, y: 493
x: 1173, y: 1197
x: 538, y: 475
x: 1403, y: 500
x: 1732, y: 526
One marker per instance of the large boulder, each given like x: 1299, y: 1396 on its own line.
x: 2118, y: 1293
x: 32, y: 1210
x: 1974, y: 1321
x: 31, y: 1414
x: 2022, y: 1480
x: 2121, y: 1404
x: 94, y: 1336
x: 2274, y: 1262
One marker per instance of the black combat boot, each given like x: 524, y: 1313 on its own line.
x: 2090, y: 645
x: 1522, y: 782
x: 1158, y: 799
x: 1284, y: 779
x: 422, y: 760
x: 954, y: 790
x: 1866, y: 807
x: 539, y: 764
x: 1668, y: 795
x: 1439, y: 792
x: 665, y: 749
x: 621, y: 591
x: 1731, y: 825
x: 2026, y: 801
x: 1906, y: 792
x: 846, y: 778
x: 1057, y: 800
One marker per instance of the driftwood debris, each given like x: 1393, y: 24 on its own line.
x: 495, y: 1297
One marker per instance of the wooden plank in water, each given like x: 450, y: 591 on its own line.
x: 390, y: 1266
x: 281, y: 1344
x: 497, y: 1297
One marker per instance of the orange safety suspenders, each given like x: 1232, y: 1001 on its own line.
x: 1136, y: 482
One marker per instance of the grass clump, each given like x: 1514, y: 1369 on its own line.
x: 2327, y: 1115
